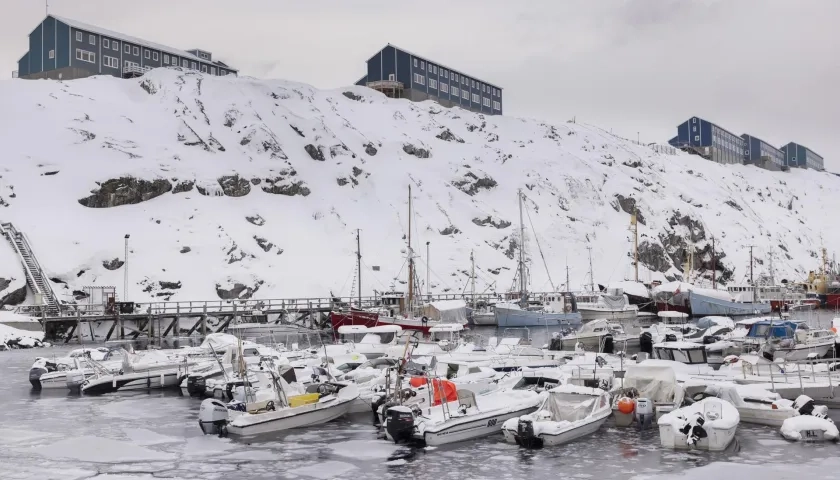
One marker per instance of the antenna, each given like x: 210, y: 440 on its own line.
x: 591, y: 274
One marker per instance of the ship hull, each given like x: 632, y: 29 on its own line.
x: 702, y: 305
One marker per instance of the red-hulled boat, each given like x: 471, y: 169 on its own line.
x: 353, y: 317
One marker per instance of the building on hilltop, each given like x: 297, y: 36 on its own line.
x: 61, y: 48
x: 797, y: 155
x: 709, y: 141
x: 399, y: 73
x: 760, y: 153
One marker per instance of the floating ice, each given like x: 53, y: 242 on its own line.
x: 101, y: 450
x: 364, y: 449
x: 328, y: 469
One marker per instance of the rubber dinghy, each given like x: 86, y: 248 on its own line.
x: 568, y: 413
x: 709, y: 424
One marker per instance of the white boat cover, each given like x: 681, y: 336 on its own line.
x: 793, y: 427
x: 447, y: 311
x: 656, y: 382
x: 637, y: 289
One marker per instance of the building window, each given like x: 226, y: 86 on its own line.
x: 693, y: 120
x: 422, y: 65
x: 693, y: 129
x: 92, y: 39
x: 85, y: 56
x: 415, y: 63
x: 110, y: 62
x: 136, y: 51
x: 115, y: 45
x: 185, y: 63
x: 52, y: 54
x: 446, y: 74
x: 193, y: 65
x: 391, y: 77
x: 204, y: 68
x: 106, y: 43
x: 465, y: 95
x: 155, y: 56
x: 79, y: 36
x: 436, y: 70
x: 697, y: 138
x: 433, y: 83
x: 456, y: 76
x: 444, y: 88
x: 212, y: 70
x: 147, y: 54
x: 174, y: 61
x: 476, y: 98
x: 454, y: 91
x: 418, y: 78
x: 473, y: 83
x: 165, y: 59
x: 497, y: 105
x: 126, y: 48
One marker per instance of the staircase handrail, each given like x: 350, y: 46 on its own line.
x: 9, y: 230
x: 32, y: 255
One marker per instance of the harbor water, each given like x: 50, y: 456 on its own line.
x: 140, y: 435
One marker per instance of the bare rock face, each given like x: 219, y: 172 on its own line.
x: 628, y: 205
x: 447, y: 136
x: 416, y: 151
x: 14, y: 297
x: 314, y: 152
x: 113, y: 264
x: 256, y: 220
x: 186, y: 249
x: 352, y: 96
x: 125, y: 191
x: 653, y: 256
x: 170, y: 285
x: 238, y: 291
x: 264, y: 244
x: 279, y: 186
x: 498, y: 223
x: 183, y: 186
x: 235, y: 186
x: 370, y: 149
x: 450, y: 230
x: 472, y: 183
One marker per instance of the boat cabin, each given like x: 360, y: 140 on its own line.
x: 394, y: 302
x: 559, y: 302
x: 673, y: 318
x: 683, y: 352
x: 381, y: 334
x: 744, y: 293
x: 446, y: 333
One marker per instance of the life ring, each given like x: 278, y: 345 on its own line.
x: 269, y: 406
x: 424, y: 320
x: 567, y: 308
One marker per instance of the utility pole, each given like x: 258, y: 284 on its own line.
x: 714, y: 266
x: 472, y: 278
x: 359, y: 264
x: 568, y: 286
x: 523, y: 286
x: 410, y: 262
x: 634, y: 221
x: 591, y: 274
x: 125, y: 270
x: 428, y: 274
x: 751, y: 265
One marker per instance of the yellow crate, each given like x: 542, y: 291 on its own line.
x: 305, y: 399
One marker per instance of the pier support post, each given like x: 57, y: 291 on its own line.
x: 151, y: 329
x: 204, y: 322
x: 79, y: 327
x: 120, y: 325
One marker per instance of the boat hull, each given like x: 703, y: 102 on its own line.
x: 482, y: 426
x: 353, y: 317
x: 802, y: 352
x: 702, y: 305
x: 717, y: 439
x: 481, y: 319
x: 276, y: 421
x: 523, y: 318
x: 832, y: 301
x: 567, y: 436
x: 668, y: 307
x: 132, y: 381
x: 587, y: 314
x: 765, y: 416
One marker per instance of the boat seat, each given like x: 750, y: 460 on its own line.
x: 466, y: 399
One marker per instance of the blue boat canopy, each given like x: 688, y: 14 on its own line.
x: 780, y: 329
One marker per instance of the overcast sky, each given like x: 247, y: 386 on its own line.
x: 770, y: 68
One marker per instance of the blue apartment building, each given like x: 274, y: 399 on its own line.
x: 760, y: 153
x: 709, y: 140
x: 62, y: 48
x: 399, y: 73
x: 800, y: 156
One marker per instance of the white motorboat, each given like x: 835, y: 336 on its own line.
x: 708, y: 329
x: 612, y: 304
x: 787, y: 340
x: 568, y: 413
x: 754, y: 405
x: 600, y: 335
x: 280, y: 407
x: 809, y: 428
x: 469, y: 418
x: 148, y: 375
x: 709, y: 424
x: 372, y: 342
x: 654, y: 382
x: 51, y: 373
x: 447, y: 335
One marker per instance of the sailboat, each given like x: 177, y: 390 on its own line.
x: 555, y: 308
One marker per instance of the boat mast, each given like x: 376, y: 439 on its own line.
x: 752, y: 282
x: 568, y: 287
x: 591, y: 274
x: 359, y: 264
x: 472, y: 277
x: 714, y: 266
x: 410, y: 261
x: 523, y: 286
x: 635, y: 222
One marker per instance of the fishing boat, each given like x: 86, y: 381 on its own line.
x: 468, y: 418
x: 568, y: 413
x: 740, y: 300
x: 372, y: 342
x: 612, y: 304
x: 787, y: 340
x: 600, y: 335
x: 709, y: 424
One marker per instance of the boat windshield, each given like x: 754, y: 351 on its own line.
x: 688, y: 356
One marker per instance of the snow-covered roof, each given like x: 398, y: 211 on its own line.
x: 637, y: 289
x: 446, y: 305
x: 128, y: 38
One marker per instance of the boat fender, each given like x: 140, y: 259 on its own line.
x: 567, y: 308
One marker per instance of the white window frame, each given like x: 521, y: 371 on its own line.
x: 165, y: 59
x: 173, y: 60
x: 111, y: 62
x: 194, y: 65
x: 444, y: 88
x: 81, y: 54
x: 476, y: 99
x: 52, y: 54
x: 454, y: 91
x: 155, y: 56
x: 80, y: 37
x: 136, y: 51
x: 465, y: 94
x: 422, y: 65
x: 693, y: 120
x: 446, y: 74
x: 204, y: 68
x: 127, y: 48
x: 115, y: 45
x: 106, y: 43
x: 147, y: 54
x: 697, y: 138
x: 391, y: 77
x: 92, y: 39
x: 185, y: 63
x: 415, y: 63
x: 472, y: 83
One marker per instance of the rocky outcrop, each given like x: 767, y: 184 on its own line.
x: 263, y: 243
x: 416, y: 151
x: 186, y: 249
x: 370, y: 149
x: 447, y: 136
x: 450, y: 230
x: 483, y: 222
x: 472, y: 183
x: 125, y: 191
x: 278, y: 186
x: 113, y: 264
x: 256, y: 220
x: 169, y: 285
x: 628, y: 206
x: 314, y: 152
x: 352, y: 96
x: 14, y: 297
x: 183, y: 186
x: 238, y: 291
x: 235, y: 186
x: 653, y: 256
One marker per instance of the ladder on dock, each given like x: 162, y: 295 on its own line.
x: 35, y: 278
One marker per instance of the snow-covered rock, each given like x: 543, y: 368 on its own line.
x: 237, y: 187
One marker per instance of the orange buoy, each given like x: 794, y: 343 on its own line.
x: 834, y: 329
x: 626, y: 405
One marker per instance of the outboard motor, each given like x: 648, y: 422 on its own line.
x: 646, y: 343
x: 74, y: 380
x: 556, y: 343
x: 609, y: 345
x: 525, y: 434
x: 804, y: 405
x: 709, y: 339
x: 693, y: 429
x: 400, y: 426
x: 213, y: 417
x: 644, y: 413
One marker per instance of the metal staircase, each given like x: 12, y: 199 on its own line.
x: 35, y: 278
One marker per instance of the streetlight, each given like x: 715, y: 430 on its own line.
x: 428, y: 276
x: 125, y: 270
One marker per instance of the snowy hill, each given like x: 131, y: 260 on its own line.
x: 235, y: 181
